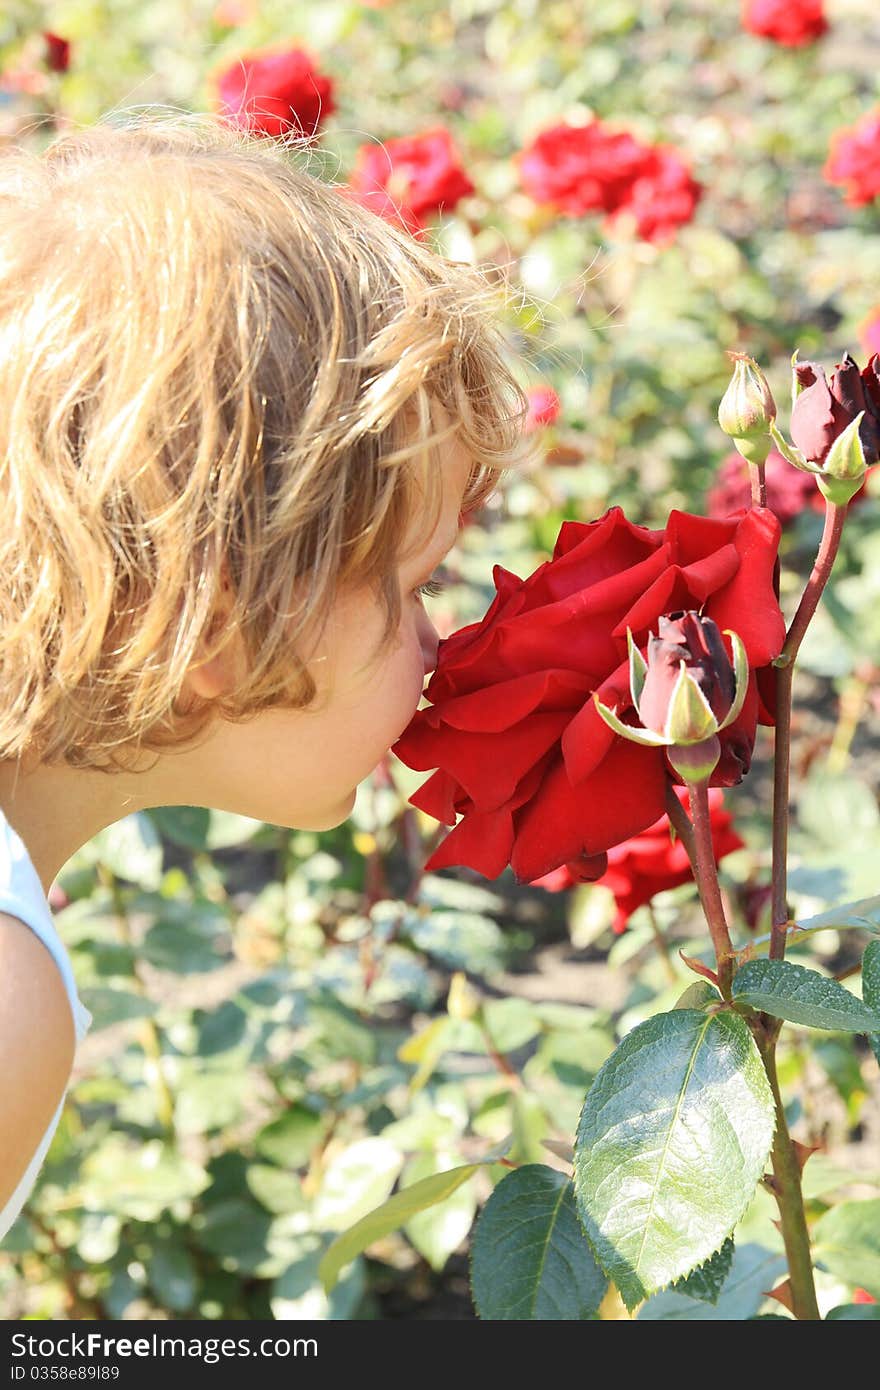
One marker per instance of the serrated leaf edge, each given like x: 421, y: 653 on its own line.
x: 745, y: 1206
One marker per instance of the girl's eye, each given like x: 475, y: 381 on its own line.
x: 431, y: 588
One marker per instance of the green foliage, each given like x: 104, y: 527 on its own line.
x: 529, y: 1258
x: 673, y: 1138
x: 802, y: 996
x: 846, y: 1240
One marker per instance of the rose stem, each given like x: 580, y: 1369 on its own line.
x: 786, y: 1187
x: 759, y: 484
x: 784, y: 663
x: 680, y: 821
x: 662, y: 945
x: 706, y: 874
x: 786, y: 1170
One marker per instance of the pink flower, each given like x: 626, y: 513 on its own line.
x: 275, y: 92
x: 854, y: 159
x: 792, y: 23
x: 409, y: 178
x: 869, y: 332
x: 544, y: 407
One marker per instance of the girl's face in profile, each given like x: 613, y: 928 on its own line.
x: 301, y: 768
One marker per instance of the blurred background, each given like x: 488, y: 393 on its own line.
x: 287, y: 1025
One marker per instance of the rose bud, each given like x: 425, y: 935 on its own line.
x: 685, y: 693
x: 748, y: 409
x: 835, y: 425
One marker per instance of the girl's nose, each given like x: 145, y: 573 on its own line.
x: 430, y: 640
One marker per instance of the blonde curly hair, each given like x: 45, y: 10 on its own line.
x: 218, y: 373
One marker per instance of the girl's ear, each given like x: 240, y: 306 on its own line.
x: 219, y: 674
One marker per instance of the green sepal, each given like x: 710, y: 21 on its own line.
x: 689, y: 718
x: 845, y: 460
x: 741, y: 676
x: 695, y: 762
x: 792, y: 455
x: 754, y: 451
x: 638, y: 669
x: 646, y: 737
x: 796, y: 387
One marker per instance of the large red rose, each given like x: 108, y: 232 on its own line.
x: 409, y: 178
x: 652, y: 861
x: 523, y: 757
x: 854, y: 160
x: 275, y: 93
x: 792, y: 23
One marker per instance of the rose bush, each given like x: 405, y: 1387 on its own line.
x: 521, y: 753
x: 652, y: 861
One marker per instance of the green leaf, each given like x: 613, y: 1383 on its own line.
x: 390, y: 1216
x: 356, y: 1180
x: 173, y: 1276
x: 673, y: 1137
x: 854, y: 1312
x: 277, y: 1191
x: 189, y: 949
x: 108, y: 1006
x: 871, y: 988
x: 802, y: 996
x: 289, y: 1140
x: 439, y: 1229
x: 706, y: 1281
x: 139, y: 1180
x: 753, y: 1271
x: 846, y: 1240
x: 131, y: 849
x: 530, y: 1259
x: 182, y: 825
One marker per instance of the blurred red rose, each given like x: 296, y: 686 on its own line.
x: 869, y: 332
x: 591, y: 168
x: 544, y: 407
x: 789, y: 489
x: 790, y: 22
x: 57, y: 53
x: 651, y: 862
x: 663, y: 196
x: 862, y: 1296
x: 409, y: 178
x: 275, y: 92
x: 854, y: 159
x: 581, y: 169
x: 538, y: 778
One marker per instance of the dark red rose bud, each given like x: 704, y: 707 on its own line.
x: 824, y: 408
x: 686, y: 637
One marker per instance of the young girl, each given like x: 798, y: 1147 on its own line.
x: 240, y: 418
